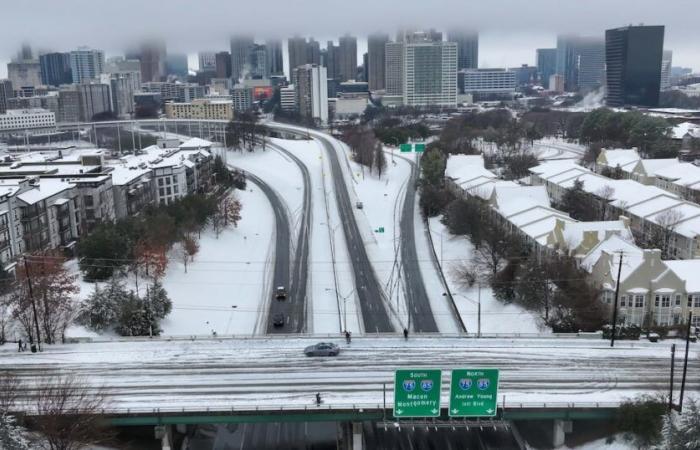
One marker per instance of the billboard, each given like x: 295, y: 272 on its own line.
x: 262, y: 92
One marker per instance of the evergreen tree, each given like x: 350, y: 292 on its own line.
x: 689, y: 426
x: 135, y: 318
x: 12, y: 437
x: 578, y: 203
x: 158, y: 301
x: 379, y: 159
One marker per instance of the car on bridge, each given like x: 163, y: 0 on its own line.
x: 278, y: 320
x: 280, y: 293
x: 322, y: 349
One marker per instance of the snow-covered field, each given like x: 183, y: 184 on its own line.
x: 224, y: 287
x: 496, y: 317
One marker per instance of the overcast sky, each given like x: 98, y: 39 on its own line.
x: 510, y: 29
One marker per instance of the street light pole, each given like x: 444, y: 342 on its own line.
x: 478, y: 323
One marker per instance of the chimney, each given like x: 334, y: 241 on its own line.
x: 653, y: 257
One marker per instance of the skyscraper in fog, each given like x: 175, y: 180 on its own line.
x: 430, y: 71
x: 241, y: 47
x: 302, y: 52
x: 274, y: 56
x: 633, y: 56
x: 55, y: 69
x: 223, y: 64
x: 666, y: 64
x: 152, y: 58
x: 376, y: 60
x: 546, y: 64
x: 86, y: 64
x: 207, y: 60
x: 347, y: 52
x: 393, y: 68
x: 581, y: 61
x: 467, y: 48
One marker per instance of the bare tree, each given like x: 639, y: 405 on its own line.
x: 69, y: 414
x: 186, y: 250
x: 466, y: 273
x: 662, y: 234
x: 606, y: 194
x: 490, y: 255
x: 9, y: 390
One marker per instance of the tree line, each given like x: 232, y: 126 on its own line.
x: 366, y: 149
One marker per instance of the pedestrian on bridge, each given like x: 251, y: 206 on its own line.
x: 21, y: 347
x: 318, y: 399
x: 405, y: 333
x: 348, y: 337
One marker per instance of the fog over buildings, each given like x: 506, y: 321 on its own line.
x: 509, y: 29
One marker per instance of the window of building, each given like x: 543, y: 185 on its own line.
x: 662, y: 301
x: 161, y: 191
x: 175, y: 189
x: 623, y: 301
x: 169, y: 190
x: 160, y: 182
x: 639, y: 301
x: 678, y: 300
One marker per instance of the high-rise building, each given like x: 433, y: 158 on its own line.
x: 488, y: 84
x: 94, y: 99
x: 666, y: 64
x: 153, y: 61
x: 123, y: 85
x: 120, y: 64
x: 347, y: 53
x: 376, y: 60
x: 313, y: 52
x: 364, y: 69
x: 302, y: 52
x: 330, y: 59
x: 223, y: 65
x: 312, y: 92
x: 274, y: 56
x: 258, y: 62
x: 207, y: 60
x: 241, y: 46
x: 68, y: 104
x: 55, y: 69
x: 393, y: 68
x: 581, y: 60
x: 176, y: 64
x: 24, y: 74
x: 633, y: 56
x: 590, y: 66
x: 86, y: 64
x: 430, y: 72
x: 546, y: 65
x: 467, y: 48
x: 525, y: 75
x: 5, y: 94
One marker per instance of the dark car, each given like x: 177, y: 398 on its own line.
x: 322, y: 349
x: 278, y: 320
x: 280, y: 293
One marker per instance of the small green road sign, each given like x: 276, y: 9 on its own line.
x: 473, y: 393
x: 419, y: 148
x: 417, y: 393
x: 405, y: 148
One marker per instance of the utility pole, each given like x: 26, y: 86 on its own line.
x: 31, y: 299
x: 670, y: 390
x: 478, y: 313
x: 685, y: 361
x: 617, y: 292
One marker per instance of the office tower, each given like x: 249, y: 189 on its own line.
x: 467, y: 47
x: 347, y: 52
x: 86, y: 64
x: 258, y: 62
x: 5, y: 94
x: 288, y: 98
x: 581, y: 60
x: 68, y: 104
x: 376, y: 60
x: 25, y: 53
x: 666, y: 63
x: 176, y: 64
x: 207, y: 60
x: 633, y: 58
x: 24, y: 74
x: 313, y: 49
x: 297, y: 53
x: 312, y: 91
x: 153, y: 61
x: 590, y: 66
x: 430, y: 71
x: 488, y: 84
x: 274, y: 56
x: 55, y: 69
x: 331, y: 60
x: 393, y: 68
x: 546, y: 65
x: 525, y: 75
x: 241, y: 46
x: 364, y: 68
x: 123, y: 85
x: 94, y: 99
x: 223, y: 65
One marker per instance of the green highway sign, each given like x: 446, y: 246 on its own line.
x: 419, y: 148
x: 417, y: 393
x: 405, y: 148
x: 473, y: 393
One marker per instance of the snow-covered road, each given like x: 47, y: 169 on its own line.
x: 273, y: 371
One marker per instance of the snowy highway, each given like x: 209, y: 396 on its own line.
x: 273, y: 372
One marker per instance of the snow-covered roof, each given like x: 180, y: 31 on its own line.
x: 613, y: 245
x: 124, y: 174
x: 194, y: 143
x: 620, y: 156
x: 463, y: 168
x: 652, y: 166
x: 681, y: 173
x: 553, y: 168
x: 680, y: 130
x: 510, y: 200
x: 687, y: 270
x: 574, y: 232
x: 483, y: 187
x: 43, y: 189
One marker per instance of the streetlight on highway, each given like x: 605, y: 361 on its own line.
x: 478, y: 303
x: 345, y: 308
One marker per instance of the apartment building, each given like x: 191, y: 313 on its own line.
x: 200, y: 109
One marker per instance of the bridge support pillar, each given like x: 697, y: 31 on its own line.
x: 559, y: 430
x: 358, y: 440
x: 164, y: 433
